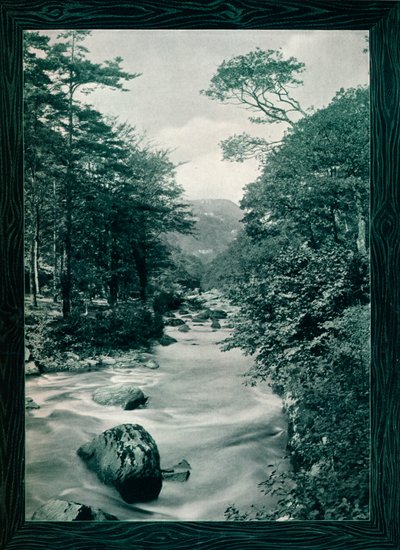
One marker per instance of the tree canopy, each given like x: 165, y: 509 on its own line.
x: 99, y: 199
x: 260, y: 81
x: 299, y: 274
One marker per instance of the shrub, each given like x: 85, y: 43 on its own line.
x: 126, y: 326
x: 165, y: 301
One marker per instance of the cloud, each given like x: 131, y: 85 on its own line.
x: 199, y: 136
x: 333, y: 60
x: 208, y: 177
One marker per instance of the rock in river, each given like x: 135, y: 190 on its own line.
x: 218, y: 314
x: 126, y: 457
x: 151, y: 364
x: 63, y: 510
x: 167, y: 340
x: 31, y: 368
x: 30, y: 403
x: 175, y: 322
x: 179, y: 472
x: 129, y: 397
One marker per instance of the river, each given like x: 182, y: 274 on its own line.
x: 199, y: 410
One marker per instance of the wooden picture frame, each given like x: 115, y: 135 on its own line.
x: 382, y: 19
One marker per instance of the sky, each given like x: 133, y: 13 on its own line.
x: 165, y: 103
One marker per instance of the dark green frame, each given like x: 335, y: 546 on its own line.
x: 382, y: 18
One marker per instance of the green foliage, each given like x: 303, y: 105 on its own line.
x: 165, y: 301
x: 241, y: 147
x: 300, y: 277
x: 261, y: 82
x: 99, y: 199
x: 130, y: 325
x: 286, y: 303
x: 315, y: 185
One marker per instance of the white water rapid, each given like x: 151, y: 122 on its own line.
x: 199, y: 410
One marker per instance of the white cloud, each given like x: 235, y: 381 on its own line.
x: 198, y: 136
x: 210, y: 177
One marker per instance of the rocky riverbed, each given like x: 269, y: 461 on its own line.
x: 214, y: 435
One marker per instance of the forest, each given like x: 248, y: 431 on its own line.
x: 102, y: 273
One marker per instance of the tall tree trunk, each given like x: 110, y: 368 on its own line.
x: 334, y: 225
x: 34, y: 260
x: 139, y: 255
x: 32, y: 277
x: 113, y: 278
x: 66, y: 280
x: 362, y: 226
x: 55, y: 258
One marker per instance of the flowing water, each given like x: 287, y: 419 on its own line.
x: 199, y: 410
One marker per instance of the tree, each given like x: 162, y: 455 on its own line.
x: 75, y: 73
x: 316, y: 183
x: 156, y: 203
x: 42, y: 147
x: 261, y: 82
x: 301, y: 282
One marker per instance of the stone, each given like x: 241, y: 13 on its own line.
x: 31, y: 404
x: 202, y: 316
x: 135, y: 403
x: 176, y: 322
x: 129, y: 397
x: 179, y: 472
x: 27, y: 354
x: 167, y: 340
x: 31, y: 368
x: 63, y: 510
x: 168, y: 475
x: 143, y: 357
x: 108, y: 361
x: 218, y: 314
x: 152, y: 364
x: 184, y: 328
x: 91, y: 362
x: 126, y: 457
x: 72, y: 356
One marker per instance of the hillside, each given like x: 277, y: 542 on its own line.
x: 217, y: 225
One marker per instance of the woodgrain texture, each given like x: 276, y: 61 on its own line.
x: 383, y: 18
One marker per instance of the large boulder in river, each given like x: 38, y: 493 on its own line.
x: 129, y: 397
x: 126, y: 457
x: 63, y: 510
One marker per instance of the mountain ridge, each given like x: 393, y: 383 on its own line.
x: 217, y: 225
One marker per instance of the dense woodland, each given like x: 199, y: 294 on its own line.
x: 299, y: 272
x: 100, y: 204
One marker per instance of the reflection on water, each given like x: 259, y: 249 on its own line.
x: 198, y: 410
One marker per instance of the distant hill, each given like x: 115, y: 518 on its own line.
x: 217, y: 225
